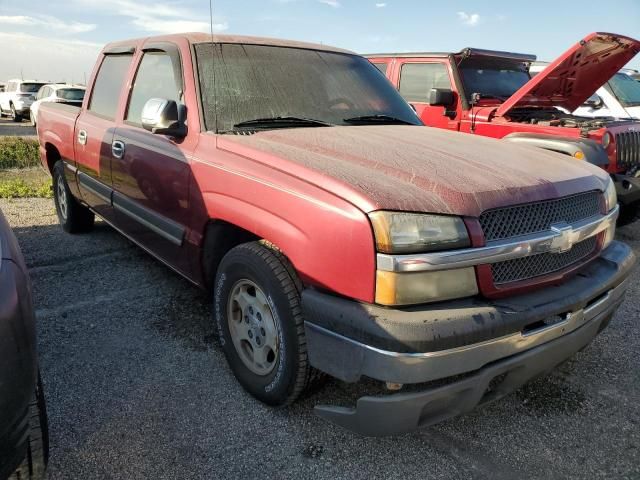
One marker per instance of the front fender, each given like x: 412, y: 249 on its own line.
x: 592, y: 150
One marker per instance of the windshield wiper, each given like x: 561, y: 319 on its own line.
x: 378, y: 119
x: 282, y: 122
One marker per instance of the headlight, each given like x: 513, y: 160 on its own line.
x: 606, y: 140
x: 398, y: 232
x: 610, y: 195
x: 411, y: 233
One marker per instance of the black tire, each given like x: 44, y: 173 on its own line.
x: 14, y: 115
x: 75, y: 218
x: 266, y: 267
x: 34, y: 465
x: 628, y: 214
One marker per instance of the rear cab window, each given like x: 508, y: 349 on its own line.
x: 108, y: 85
x: 417, y: 79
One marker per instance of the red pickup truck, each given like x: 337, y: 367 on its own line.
x: 491, y: 93
x: 336, y: 233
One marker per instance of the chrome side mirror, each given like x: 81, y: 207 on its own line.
x: 164, y: 117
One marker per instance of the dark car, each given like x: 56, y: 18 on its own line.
x: 24, y: 442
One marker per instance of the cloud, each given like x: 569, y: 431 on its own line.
x: 47, y: 58
x: 331, y: 3
x: 48, y: 22
x: 157, y: 17
x: 469, y: 19
x: 381, y: 5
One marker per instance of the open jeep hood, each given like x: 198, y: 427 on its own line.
x: 576, y: 75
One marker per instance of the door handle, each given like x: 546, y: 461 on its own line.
x: 117, y: 149
x: 82, y: 137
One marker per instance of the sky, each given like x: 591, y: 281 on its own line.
x: 58, y: 40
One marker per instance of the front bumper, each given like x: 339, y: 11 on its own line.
x: 499, y: 344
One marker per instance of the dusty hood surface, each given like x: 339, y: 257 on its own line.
x: 576, y: 75
x: 417, y: 168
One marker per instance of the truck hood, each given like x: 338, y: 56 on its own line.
x: 576, y: 75
x: 415, y: 168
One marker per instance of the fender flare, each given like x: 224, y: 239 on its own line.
x: 593, y: 152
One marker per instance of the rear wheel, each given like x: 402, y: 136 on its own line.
x: 72, y: 215
x: 35, y: 462
x: 260, y: 324
x: 14, y: 115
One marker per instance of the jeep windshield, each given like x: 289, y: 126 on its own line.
x: 494, y: 79
x: 262, y: 87
x: 625, y: 89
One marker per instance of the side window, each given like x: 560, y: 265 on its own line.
x: 417, y: 79
x: 108, y: 85
x: 156, y: 78
x: 382, y: 67
x: 40, y: 93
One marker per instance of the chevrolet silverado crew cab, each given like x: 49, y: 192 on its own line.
x: 336, y: 233
x: 491, y: 93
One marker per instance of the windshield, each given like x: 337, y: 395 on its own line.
x: 492, y: 79
x: 625, y: 89
x: 30, y: 87
x: 266, y: 82
x: 71, y: 94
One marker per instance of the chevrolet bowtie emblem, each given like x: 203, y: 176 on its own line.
x: 563, y: 239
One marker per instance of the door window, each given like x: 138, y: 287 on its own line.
x: 382, y: 67
x: 108, y: 85
x: 156, y: 78
x: 417, y: 79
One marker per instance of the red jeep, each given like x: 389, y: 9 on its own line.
x: 491, y: 93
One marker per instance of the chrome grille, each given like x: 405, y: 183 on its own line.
x: 628, y: 149
x: 542, y: 264
x: 538, y: 217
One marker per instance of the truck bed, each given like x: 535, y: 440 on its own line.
x: 56, y: 126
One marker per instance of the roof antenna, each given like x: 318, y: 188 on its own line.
x: 213, y: 69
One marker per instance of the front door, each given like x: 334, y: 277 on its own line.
x: 150, y: 171
x: 416, y: 81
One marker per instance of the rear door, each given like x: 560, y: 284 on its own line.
x: 151, y: 172
x: 416, y: 79
x: 95, y: 128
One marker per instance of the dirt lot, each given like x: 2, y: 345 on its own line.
x: 23, y: 129
x: 137, y: 387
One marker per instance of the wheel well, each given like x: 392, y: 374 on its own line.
x: 53, y: 155
x: 220, y: 237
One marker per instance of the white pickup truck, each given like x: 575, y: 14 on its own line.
x: 618, y: 98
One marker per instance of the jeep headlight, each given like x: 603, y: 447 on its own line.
x: 399, y: 232
x: 413, y: 233
x: 610, y: 195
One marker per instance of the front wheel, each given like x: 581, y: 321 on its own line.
x: 259, y: 320
x: 72, y: 215
x: 34, y: 465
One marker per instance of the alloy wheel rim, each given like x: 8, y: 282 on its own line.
x: 62, y: 198
x: 253, y: 327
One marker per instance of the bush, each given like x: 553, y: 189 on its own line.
x: 17, y: 152
x: 21, y: 189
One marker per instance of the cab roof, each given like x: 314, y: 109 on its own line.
x: 197, y: 37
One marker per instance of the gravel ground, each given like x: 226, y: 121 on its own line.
x: 23, y: 129
x: 137, y: 387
